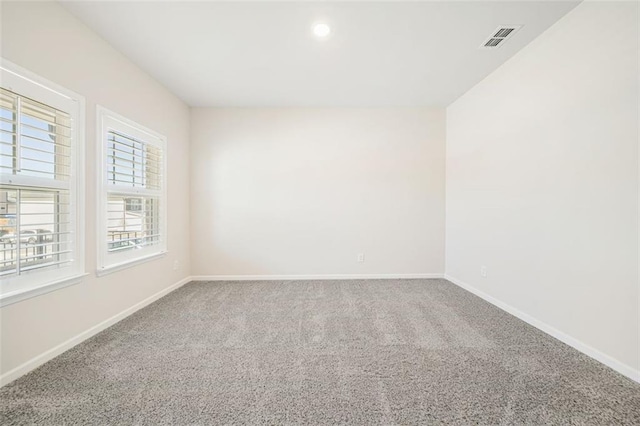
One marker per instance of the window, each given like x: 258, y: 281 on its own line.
x: 41, y: 248
x: 132, y: 192
x: 133, y: 204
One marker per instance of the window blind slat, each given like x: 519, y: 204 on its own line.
x: 37, y: 230
x: 131, y: 162
x: 38, y: 140
x: 58, y: 154
x: 31, y: 267
x: 132, y: 222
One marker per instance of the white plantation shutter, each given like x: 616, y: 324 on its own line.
x: 133, y: 163
x: 35, y: 139
x: 128, y: 229
x: 134, y: 175
x: 133, y: 193
x: 43, y: 220
x: 36, y: 223
x: 39, y: 179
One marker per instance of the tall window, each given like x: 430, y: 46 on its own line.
x: 132, y: 188
x: 40, y: 140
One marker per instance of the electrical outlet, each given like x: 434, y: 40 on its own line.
x: 176, y: 265
x: 360, y: 257
x: 483, y: 271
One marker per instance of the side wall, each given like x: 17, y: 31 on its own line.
x: 542, y: 183
x: 286, y: 192
x: 66, y: 52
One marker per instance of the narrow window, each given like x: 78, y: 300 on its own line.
x: 132, y: 192
x: 41, y: 202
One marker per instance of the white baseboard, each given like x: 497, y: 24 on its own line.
x: 37, y: 361
x: 605, y: 359
x: 314, y: 277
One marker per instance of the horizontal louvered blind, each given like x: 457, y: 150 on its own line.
x: 133, y: 163
x: 41, y: 175
x: 36, y: 224
x: 132, y: 222
x: 35, y: 139
x: 35, y: 229
x: 133, y: 207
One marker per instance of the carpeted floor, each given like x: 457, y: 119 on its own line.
x: 321, y: 352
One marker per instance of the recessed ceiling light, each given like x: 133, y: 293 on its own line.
x: 321, y: 30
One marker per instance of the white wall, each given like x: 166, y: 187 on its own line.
x: 64, y: 51
x: 302, y: 191
x: 542, y: 188
x: 542, y: 181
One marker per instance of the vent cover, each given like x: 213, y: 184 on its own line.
x: 493, y: 42
x: 499, y: 36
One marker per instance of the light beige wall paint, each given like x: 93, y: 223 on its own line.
x: 64, y: 51
x: 302, y: 191
x: 542, y: 180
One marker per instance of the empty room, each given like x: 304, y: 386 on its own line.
x: 319, y: 212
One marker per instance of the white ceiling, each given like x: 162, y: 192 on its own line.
x: 264, y: 54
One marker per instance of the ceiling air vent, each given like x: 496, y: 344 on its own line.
x: 499, y: 36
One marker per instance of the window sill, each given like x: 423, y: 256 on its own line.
x: 106, y: 270
x: 28, y: 293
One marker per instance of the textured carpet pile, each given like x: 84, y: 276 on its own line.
x: 321, y: 352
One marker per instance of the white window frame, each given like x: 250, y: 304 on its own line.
x: 109, y: 262
x: 36, y: 282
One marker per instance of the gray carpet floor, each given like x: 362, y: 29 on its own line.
x: 321, y: 352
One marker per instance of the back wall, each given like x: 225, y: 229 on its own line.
x: 304, y: 191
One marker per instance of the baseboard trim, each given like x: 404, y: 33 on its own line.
x: 38, y: 360
x: 314, y: 277
x: 601, y: 357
